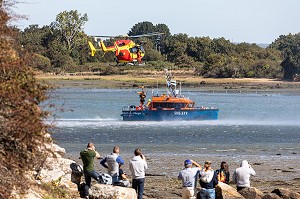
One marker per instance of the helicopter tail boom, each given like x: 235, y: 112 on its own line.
x: 93, y: 49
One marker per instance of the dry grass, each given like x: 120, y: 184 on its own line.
x: 158, y: 77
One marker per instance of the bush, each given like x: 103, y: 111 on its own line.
x: 40, y: 62
x: 22, y: 137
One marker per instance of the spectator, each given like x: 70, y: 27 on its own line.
x: 112, y: 162
x: 208, y: 182
x: 223, y: 173
x: 137, y: 166
x: 189, y: 179
x: 241, y: 175
x: 87, y: 156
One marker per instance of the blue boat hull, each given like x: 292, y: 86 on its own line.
x: 162, y: 115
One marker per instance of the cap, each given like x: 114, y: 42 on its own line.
x: 187, y: 162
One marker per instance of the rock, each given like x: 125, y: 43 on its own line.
x: 55, y: 168
x: 271, y: 196
x: 286, y: 193
x: 251, y: 193
x: 111, y: 192
x: 224, y: 191
x: 31, y: 194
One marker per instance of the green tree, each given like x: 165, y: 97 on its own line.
x: 176, y: 46
x: 142, y: 28
x: 70, y: 24
x: 34, y: 39
x: 160, y: 40
x: 163, y: 28
x: 289, y: 45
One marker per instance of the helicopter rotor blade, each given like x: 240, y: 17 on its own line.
x: 147, y: 35
x: 127, y: 36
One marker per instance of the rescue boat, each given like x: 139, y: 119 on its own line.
x: 170, y: 106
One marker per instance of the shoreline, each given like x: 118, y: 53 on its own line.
x: 226, y: 85
x: 161, y: 176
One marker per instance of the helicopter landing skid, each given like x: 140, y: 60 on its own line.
x: 118, y: 64
x: 135, y: 64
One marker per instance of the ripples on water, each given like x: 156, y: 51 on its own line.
x: 249, y: 124
x: 216, y: 137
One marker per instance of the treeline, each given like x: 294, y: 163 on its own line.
x: 62, y: 47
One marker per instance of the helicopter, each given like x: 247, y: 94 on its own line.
x: 126, y: 51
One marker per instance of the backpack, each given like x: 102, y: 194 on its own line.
x: 105, y: 178
x: 120, y: 184
x: 81, y: 189
x: 77, y: 173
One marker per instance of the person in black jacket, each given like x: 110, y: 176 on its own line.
x: 208, y: 181
x: 223, y: 173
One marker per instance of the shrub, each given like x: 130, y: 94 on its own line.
x: 22, y: 137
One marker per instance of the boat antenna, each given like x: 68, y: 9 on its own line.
x: 157, y: 87
x: 171, y: 84
x: 180, y: 88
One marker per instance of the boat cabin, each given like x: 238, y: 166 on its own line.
x: 165, y: 102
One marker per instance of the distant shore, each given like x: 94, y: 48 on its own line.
x: 190, y: 82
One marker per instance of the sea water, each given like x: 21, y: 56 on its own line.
x: 249, y: 124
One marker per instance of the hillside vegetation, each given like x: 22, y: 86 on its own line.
x: 61, y: 47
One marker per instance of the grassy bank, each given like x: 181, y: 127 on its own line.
x: 150, y: 80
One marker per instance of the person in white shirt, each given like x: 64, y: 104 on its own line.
x: 137, y: 166
x: 189, y: 179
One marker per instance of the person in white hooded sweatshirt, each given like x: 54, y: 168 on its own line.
x: 137, y: 166
x: 241, y: 175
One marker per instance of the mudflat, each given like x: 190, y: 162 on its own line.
x: 161, y: 177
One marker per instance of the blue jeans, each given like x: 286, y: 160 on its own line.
x: 138, y: 185
x: 207, y: 194
x: 115, y: 178
x: 88, y: 175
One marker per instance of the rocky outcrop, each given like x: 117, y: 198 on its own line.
x: 55, y: 170
x: 251, y: 193
x: 111, y: 192
x: 224, y: 191
x: 286, y: 194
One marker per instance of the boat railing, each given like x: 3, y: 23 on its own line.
x: 206, y: 108
x: 129, y: 108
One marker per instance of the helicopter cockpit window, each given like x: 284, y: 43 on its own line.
x: 142, y: 49
x: 121, y: 44
x: 133, y: 50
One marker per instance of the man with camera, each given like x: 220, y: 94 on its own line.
x: 137, y: 166
x: 87, y: 156
x: 189, y: 178
x: 241, y: 175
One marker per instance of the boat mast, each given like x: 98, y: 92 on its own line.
x: 171, y: 84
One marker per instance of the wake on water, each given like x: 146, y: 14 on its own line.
x: 100, y: 122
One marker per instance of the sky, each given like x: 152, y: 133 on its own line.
x: 252, y: 21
